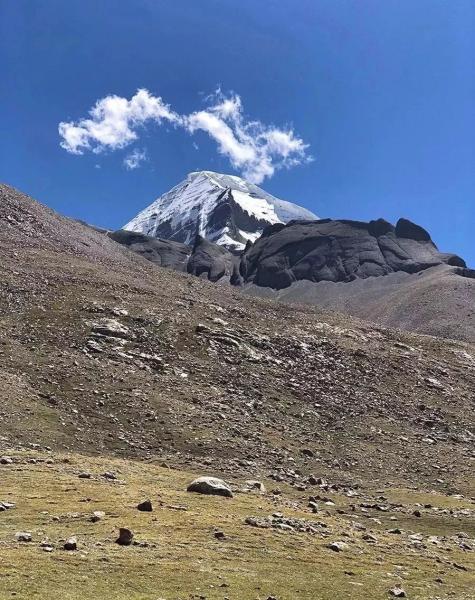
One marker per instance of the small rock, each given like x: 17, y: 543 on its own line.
x: 125, y: 537
x: 145, y: 506
x: 71, y: 544
x: 97, y: 515
x: 109, y: 475
x: 6, y: 460
x: 84, y: 475
x: 219, y: 535
x: 397, y: 592
x: 338, y: 546
x: 23, y: 536
x: 255, y: 486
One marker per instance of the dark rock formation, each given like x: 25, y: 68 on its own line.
x: 339, y: 251
x: 211, y: 260
x: 164, y: 253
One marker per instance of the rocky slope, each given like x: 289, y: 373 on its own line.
x: 104, y: 352
x: 224, y: 209
x: 392, y: 275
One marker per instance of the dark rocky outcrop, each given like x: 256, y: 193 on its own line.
x: 211, y: 260
x: 339, y: 251
x: 165, y: 253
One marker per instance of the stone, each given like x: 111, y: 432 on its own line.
x: 71, y: 544
x: 6, y: 460
x: 252, y: 485
x: 145, y: 506
x: 397, y: 592
x: 97, y: 515
x: 23, y: 536
x: 125, y: 537
x: 110, y: 328
x: 211, y: 486
x: 109, y: 475
x: 84, y: 475
x: 338, y: 546
x: 219, y: 535
x: 313, y: 506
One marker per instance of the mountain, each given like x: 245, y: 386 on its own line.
x: 393, y: 275
x: 121, y: 381
x: 224, y: 209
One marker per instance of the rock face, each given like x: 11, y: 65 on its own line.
x: 211, y: 486
x: 339, y: 251
x: 165, y: 253
x: 211, y: 260
x: 224, y: 209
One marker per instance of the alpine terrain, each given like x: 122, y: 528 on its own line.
x: 164, y: 437
x: 224, y: 209
x: 391, y: 274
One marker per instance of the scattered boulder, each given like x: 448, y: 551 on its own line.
x: 84, y: 475
x: 145, y: 506
x: 97, y: 515
x: 110, y: 328
x: 23, y: 536
x: 252, y: 485
x: 397, y: 592
x: 211, y: 486
x: 71, y: 544
x: 338, y: 546
x: 6, y: 460
x: 125, y: 537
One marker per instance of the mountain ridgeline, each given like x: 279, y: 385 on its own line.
x: 226, y: 230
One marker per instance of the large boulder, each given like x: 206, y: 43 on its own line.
x: 211, y: 486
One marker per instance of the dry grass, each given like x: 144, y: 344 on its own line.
x: 183, y: 559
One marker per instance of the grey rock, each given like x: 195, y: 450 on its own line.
x: 97, y: 515
x: 397, y: 592
x: 252, y: 485
x: 210, y: 485
x: 338, y: 251
x: 338, y: 546
x: 23, y: 536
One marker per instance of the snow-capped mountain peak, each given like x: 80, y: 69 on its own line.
x: 225, y: 209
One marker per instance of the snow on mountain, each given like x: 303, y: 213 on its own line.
x: 225, y: 209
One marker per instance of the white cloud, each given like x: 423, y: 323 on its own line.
x: 254, y: 149
x: 134, y: 159
x: 113, y: 122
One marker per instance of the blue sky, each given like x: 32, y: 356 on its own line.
x: 381, y: 91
